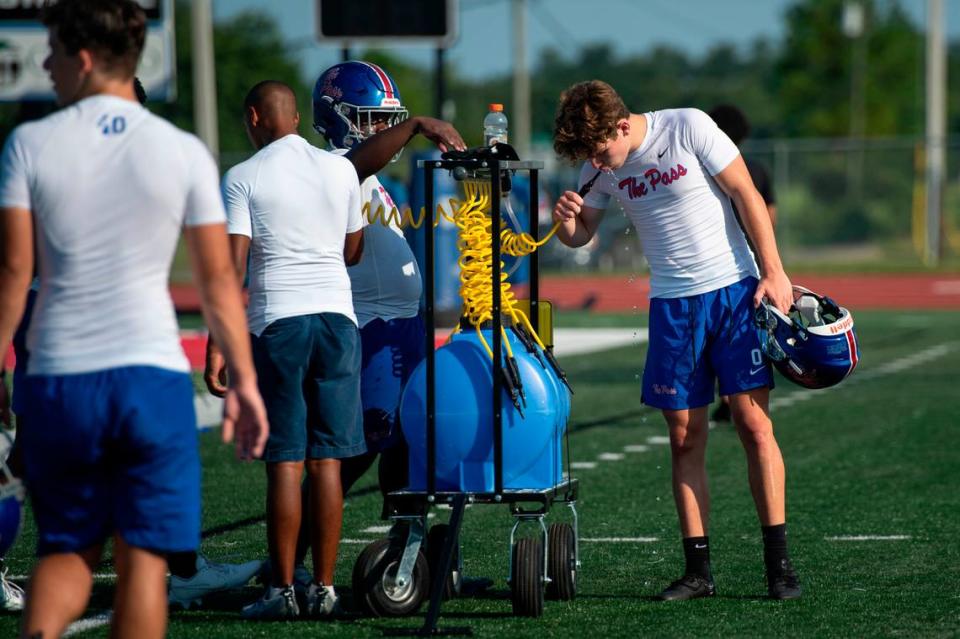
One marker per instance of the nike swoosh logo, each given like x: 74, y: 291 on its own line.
x: 754, y: 371
x: 660, y: 154
x: 699, y: 546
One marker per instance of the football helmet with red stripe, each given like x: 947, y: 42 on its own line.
x: 815, y: 345
x: 352, y: 101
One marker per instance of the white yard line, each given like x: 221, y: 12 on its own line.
x: 619, y: 540
x: 377, y: 530
x: 96, y: 621
x: 583, y: 465
x: 579, y: 341
x: 869, y: 538
x: 610, y: 456
x: 636, y: 448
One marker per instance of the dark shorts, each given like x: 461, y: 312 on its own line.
x: 22, y: 354
x: 113, y: 451
x: 391, y: 350
x: 699, y: 339
x: 308, y: 368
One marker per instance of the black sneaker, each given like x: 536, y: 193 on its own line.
x: 689, y: 587
x: 782, y: 581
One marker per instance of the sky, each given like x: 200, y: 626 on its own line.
x: 484, y: 49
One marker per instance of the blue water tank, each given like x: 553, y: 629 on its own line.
x: 464, y: 420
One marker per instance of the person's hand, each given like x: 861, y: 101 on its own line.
x: 245, y: 420
x: 215, y: 371
x: 4, y: 404
x: 440, y: 133
x: 568, y: 207
x: 777, y: 289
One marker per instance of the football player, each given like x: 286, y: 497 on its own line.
x: 677, y: 177
x: 106, y: 188
x: 304, y: 329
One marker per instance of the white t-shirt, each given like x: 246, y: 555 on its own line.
x: 110, y: 185
x: 296, y: 203
x: 386, y: 282
x: 687, y: 227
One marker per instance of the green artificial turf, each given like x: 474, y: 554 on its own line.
x: 875, y: 456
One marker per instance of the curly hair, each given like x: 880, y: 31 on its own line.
x: 586, y: 117
x: 114, y: 29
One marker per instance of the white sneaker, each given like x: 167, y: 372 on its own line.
x: 276, y: 603
x: 11, y: 595
x: 211, y: 577
x: 322, y: 601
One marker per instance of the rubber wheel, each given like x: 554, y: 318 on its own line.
x: 561, y: 562
x: 373, y: 586
x: 436, y: 538
x: 526, y: 585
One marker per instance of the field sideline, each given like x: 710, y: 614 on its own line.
x: 872, y: 511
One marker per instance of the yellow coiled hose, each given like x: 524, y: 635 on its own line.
x: 472, y: 219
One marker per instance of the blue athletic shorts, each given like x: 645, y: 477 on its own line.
x: 391, y: 350
x: 113, y: 451
x: 699, y: 339
x: 308, y: 367
x: 23, y: 355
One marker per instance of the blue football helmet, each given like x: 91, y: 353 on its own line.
x: 11, y: 498
x: 350, y: 99
x: 815, y: 345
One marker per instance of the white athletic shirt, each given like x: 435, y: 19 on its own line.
x: 685, y: 221
x: 296, y: 203
x: 386, y: 282
x: 110, y: 185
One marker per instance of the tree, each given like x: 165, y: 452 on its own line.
x: 813, y: 72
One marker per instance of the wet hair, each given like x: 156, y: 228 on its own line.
x: 114, y: 30
x: 731, y: 121
x: 587, y: 117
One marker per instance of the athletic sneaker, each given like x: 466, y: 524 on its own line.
x: 11, y: 595
x: 782, y: 581
x: 689, y: 587
x: 211, y: 577
x: 276, y: 603
x: 302, y: 578
x: 322, y: 601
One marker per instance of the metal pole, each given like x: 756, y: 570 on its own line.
x: 535, y: 256
x: 204, y: 75
x: 440, y: 94
x: 497, y: 346
x: 428, y: 287
x: 345, y: 53
x: 936, y: 127
x: 521, y: 82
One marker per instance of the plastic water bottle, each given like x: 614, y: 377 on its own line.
x: 495, y: 126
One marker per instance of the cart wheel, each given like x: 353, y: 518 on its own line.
x: 561, y: 562
x: 374, y: 587
x: 436, y: 538
x: 526, y: 585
